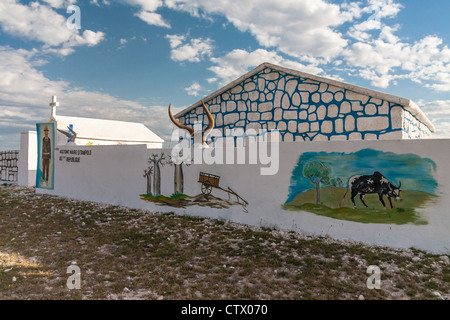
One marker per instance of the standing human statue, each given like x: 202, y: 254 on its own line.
x: 46, y: 154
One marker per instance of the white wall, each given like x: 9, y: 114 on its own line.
x: 27, y: 159
x: 111, y: 174
x: 114, y: 175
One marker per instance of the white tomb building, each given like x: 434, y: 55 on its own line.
x: 103, y: 132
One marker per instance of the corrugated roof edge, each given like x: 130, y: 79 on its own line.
x: 408, y: 104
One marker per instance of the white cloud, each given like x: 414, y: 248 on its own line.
x: 387, y: 58
x: 382, y: 57
x: 145, y: 5
x: 382, y: 9
x: 373, y: 12
x: 444, y: 84
x: 439, y: 114
x: 194, y: 89
x: 359, y: 31
x: 194, y: 51
x: 60, y: 3
x: 295, y: 27
x: 237, y: 62
x: 122, y: 43
x: 152, y: 18
x: 176, y: 40
x: 436, y: 109
x: 41, y: 23
x: 35, y: 22
x: 352, y: 10
x: 147, y: 11
x: 97, y: 2
x: 359, y: 35
x: 89, y: 38
x: 21, y: 83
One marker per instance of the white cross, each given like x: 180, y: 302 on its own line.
x: 53, y: 105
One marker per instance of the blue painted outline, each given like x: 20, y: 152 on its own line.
x: 279, y: 92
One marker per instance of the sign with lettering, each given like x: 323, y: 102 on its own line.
x: 73, y: 155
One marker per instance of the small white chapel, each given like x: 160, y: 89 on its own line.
x: 91, y: 131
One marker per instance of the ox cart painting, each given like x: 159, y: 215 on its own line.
x: 209, y: 181
x: 204, y: 199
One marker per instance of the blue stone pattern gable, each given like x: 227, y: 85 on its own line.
x: 303, y: 109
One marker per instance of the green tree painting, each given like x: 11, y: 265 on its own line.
x: 316, y: 172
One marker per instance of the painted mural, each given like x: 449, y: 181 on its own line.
x: 368, y: 186
x: 303, y: 109
x: 46, y: 151
x: 207, y: 183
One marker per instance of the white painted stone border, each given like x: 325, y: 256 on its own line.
x: 406, y: 103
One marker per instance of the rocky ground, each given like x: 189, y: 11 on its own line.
x: 131, y: 254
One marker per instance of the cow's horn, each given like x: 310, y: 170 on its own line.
x: 210, y: 124
x: 179, y: 124
x: 400, y: 185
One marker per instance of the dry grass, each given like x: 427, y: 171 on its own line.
x: 133, y: 254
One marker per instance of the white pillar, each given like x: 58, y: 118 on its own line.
x: 27, y: 159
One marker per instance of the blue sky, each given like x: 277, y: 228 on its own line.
x: 131, y: 58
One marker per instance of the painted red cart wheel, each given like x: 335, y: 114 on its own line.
x: 206, y: 188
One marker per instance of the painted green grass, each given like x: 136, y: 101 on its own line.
x: 174, y: 196
x: 177, y: 200
x: 404, y: 211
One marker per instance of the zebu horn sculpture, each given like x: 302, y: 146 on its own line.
x: 191, y: 131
